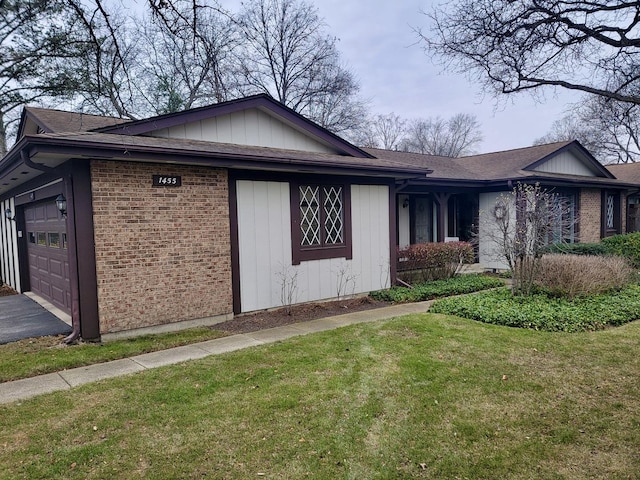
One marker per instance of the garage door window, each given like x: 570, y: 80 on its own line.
x: 42, y: 239
x: 54, y: 239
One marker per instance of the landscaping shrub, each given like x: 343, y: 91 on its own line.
x: 433, y: 261
x: 438, y: 288
x: 626, y: 245
x: 541, y: 312
x: 575, y: 275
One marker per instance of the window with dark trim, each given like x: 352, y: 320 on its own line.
x: 320, y: 221
x: 611, y: 221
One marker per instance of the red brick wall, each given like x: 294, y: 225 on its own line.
x: 590, y: 215
x: 162, y: 254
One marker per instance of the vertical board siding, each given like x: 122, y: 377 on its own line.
x: 489, y: 251
x: 567, y: 163
x: 9, y: 265
x: 264, y: 237
x: 247, y: 127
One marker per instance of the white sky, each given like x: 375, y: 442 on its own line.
x: 377, y: 42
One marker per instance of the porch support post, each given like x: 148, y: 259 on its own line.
x: 442, y: 199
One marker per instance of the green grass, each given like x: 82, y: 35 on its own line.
x: 540, y: 312
x: 438, y: 288
x: 37, y: 356
x: 424, y: 396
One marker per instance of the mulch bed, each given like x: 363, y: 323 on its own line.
x: 252, y: 322
x: 6, y: 290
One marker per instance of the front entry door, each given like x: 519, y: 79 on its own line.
x: 423, y: 220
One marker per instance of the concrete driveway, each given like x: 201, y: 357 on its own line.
x: 21, y: 317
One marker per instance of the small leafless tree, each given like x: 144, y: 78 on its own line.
x: 522, y: 223
x: 288, y: 280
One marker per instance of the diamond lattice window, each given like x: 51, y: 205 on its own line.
x: 320, y: 221
x: 610, y: 212
x: 310, y: 215
x: 333, y: 215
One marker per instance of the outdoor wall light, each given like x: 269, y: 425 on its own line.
x: 61, y: 203
x: 405, y: 204
x: 9, y: 214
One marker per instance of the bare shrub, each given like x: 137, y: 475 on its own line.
x: 575, y: 275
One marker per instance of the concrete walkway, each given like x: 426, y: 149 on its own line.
x: 67, y: 379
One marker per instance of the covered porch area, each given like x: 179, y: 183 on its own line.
x: 436, y: 215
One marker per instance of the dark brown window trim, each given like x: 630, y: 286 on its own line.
x: 617, y: 217
x: 301, y: 253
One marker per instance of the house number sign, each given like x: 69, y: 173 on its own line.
x: 167, y: 181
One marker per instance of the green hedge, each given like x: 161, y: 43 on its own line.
x: 438, y: 288
x: 627, y: 245
x: 540, y: 312
x: 597, y: 249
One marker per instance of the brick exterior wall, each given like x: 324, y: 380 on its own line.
x: 162, y: 254
x: 590, y: 215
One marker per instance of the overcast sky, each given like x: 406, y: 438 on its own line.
x: 377, y: 42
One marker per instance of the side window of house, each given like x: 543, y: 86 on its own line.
x: 320, y: 214
x: 611, y: 224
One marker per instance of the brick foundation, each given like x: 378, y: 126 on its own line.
x: 162, y: 254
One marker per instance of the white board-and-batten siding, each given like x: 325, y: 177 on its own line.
x: 9, y: 266
x: 248, y: 127
x: 264, y: 238
x: 566, y: 163
x: 490, y: 254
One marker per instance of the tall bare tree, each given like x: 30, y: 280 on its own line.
x: 515, y: 46
x: 609, y: 130
x: 288, y: 55
x: 453, y: 137
x: 383, y: 131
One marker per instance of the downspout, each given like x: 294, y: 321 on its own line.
x: 31, y: 164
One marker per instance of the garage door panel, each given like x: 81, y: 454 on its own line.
x: 56, y: 268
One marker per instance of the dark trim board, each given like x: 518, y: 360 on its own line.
x: 235, y: 243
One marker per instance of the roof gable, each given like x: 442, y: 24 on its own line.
x: 570, y: 159
x: 258, y: 120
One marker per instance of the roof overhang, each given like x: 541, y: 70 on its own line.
x: 37, y: 154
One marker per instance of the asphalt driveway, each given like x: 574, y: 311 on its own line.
x: 21, y: 317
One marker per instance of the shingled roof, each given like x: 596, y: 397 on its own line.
x: 506, y: 164
x: 55, y: 121
x: 627, y: 172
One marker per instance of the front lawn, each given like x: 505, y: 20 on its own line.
x: 423, y: 396
x: 540, y: 312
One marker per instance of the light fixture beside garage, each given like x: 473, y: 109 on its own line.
x: 61, y: 204
x: 9, y: 214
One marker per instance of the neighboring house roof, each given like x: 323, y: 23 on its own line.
x: 627, y: 172
x: 510, y: 165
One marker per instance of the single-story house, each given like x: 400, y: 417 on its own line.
x: 241, y: 206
